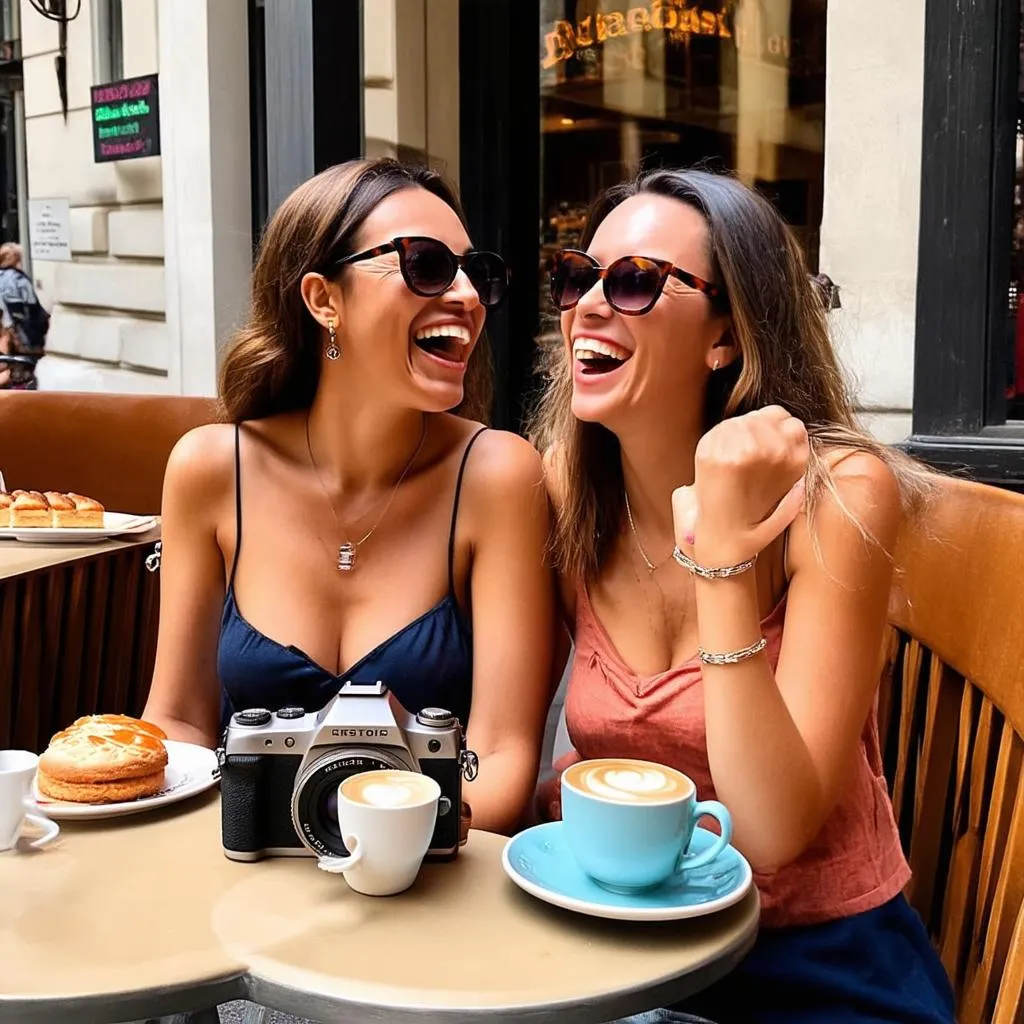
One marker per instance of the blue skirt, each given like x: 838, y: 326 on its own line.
x: 872, y: 968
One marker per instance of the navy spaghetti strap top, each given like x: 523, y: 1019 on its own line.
x: 428, y: 663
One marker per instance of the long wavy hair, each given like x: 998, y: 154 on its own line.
x: 273, y: 363
x: 785, y: 358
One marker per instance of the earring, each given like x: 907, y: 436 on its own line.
x: 715, y: 367
x: 332, y: 351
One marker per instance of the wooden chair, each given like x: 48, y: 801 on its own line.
x: 953, y: 727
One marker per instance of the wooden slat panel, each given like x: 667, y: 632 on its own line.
x: 913, y: 657
x: 962, y: 886
x: 1009, y: 1008
x: 73, y: 640
x: 8, y: 662
x: 997, y: 826
x: 982, y: 988
x: 942, y: 719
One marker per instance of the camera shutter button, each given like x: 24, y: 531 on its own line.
x: 291, y: 713
x: 437, y: 718
x: 252, y: 716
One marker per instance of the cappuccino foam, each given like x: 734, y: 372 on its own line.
x: 627, y: 781
x: 387, y: 788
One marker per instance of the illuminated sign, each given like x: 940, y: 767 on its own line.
x: 678, y: 18
x: 126, y: 119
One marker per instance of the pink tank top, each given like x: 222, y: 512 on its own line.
x: 855, y: 863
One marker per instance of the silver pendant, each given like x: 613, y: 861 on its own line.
x: 346, y: 557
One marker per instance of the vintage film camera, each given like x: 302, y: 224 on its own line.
x: 280, y: 771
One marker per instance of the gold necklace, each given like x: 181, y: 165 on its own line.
x: 347, y: 549
x: 651, y: 567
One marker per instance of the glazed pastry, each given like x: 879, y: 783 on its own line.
x: 30, y: 508
x: 74, y: 510
x: 102, y: 759
x: 5, y: 509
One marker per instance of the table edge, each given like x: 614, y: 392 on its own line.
x: 612, y: 1005
x: 131, y: 1004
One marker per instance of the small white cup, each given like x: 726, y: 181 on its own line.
x: 17, y: 770
x: 387, y: 842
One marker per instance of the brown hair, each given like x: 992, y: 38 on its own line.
x: 273, y: 364
x: 786, y: 358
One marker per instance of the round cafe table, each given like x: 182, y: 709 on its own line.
x: 142, y: 916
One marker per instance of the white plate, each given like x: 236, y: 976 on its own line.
x: 189, y: 771
x: 115, y: 524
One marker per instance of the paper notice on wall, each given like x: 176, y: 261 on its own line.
x: 49, y: 229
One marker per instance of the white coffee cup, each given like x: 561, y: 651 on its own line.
x: 17, y: 805
x: 387, y: 820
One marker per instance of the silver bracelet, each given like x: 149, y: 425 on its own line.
x: 712, y: 574
x: 733, y: 657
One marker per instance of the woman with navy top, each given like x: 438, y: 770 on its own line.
x: 351, y: 520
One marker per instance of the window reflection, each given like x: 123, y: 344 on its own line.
x: 726, y: 84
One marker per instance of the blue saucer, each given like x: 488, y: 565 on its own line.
x: 539, y: 862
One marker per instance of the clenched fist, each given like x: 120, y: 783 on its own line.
x: 747, y: 488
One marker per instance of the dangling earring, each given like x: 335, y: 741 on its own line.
x: 715, y: 367
x: 332, y: 351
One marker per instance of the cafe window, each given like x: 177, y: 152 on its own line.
x: 735, y: 85
x: 1015, y: 292
x: 969, y: 338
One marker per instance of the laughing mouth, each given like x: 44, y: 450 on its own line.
x: 597, y: 357
x: 446, y: 341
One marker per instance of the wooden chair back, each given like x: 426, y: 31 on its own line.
x: 952, y: 722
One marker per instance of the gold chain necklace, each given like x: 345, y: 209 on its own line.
x: 347, y: 549
x: 651, y: 567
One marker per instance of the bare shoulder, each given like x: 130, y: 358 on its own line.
x: 504, y: 464
x: 868, y: 488
x: 201, y: 465
x: 855, y: 520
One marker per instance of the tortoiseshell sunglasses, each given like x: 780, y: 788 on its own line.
x: 632, y: 284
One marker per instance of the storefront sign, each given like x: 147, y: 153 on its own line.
x: 49, y: 229
x: 678, y: 18
x: 126, y: 119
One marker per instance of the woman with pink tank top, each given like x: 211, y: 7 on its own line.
x: 724, y: 535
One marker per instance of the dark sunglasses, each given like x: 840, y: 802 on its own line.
x: 429, y: 267
x: 632, y: 284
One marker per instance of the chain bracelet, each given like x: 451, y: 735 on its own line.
x: 732, y: 657
x: 705, y: 573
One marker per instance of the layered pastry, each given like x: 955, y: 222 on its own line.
x: 101, y: 759
x: 74, y: 509
x: 21, y: 509
x: 30, y: 508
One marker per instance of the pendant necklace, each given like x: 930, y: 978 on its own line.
x: 347, y: 550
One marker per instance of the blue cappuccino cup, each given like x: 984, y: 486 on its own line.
x: 628, y: 823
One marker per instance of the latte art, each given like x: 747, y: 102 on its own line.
x: 389, y: 789
x: 629, y: 782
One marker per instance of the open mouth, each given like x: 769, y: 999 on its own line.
x: 597, y: 357
x: 449, y: 342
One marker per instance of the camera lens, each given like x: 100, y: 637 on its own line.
x: 315, y: 796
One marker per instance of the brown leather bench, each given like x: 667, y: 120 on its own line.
x: 81, y: 637
x: 113, y: 448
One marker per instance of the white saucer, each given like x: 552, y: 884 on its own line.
x: 190, y: 771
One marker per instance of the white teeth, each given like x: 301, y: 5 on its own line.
x: 455, y: 331
x: 590, y: 348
